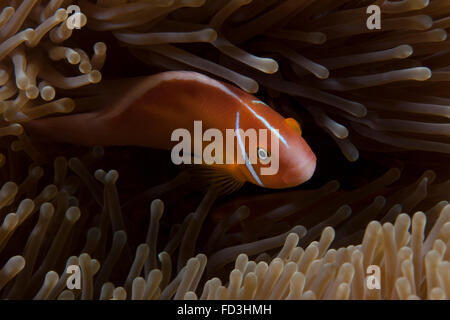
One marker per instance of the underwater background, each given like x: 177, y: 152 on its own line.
x: 373, y: 106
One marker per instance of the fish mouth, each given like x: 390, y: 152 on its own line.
x: 300, y: 174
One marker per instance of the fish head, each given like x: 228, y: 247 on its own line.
x: 279, y: 157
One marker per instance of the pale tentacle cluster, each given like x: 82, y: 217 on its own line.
x: 36, y: 60
x: 358, y: 84
x: 355, y: 84
x: 412, y: 266
x: 49, y: 227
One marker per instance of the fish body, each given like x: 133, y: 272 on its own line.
x: 149, y: 113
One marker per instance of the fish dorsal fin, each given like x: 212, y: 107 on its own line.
x: 291, y: 122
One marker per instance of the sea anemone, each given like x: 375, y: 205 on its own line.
x: 35, y: 61
x: 60, y: 221
x: 371, y: 91
x: 358, y: 84
x: 414, y: 266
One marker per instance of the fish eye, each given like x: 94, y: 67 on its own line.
x: 263, y: 155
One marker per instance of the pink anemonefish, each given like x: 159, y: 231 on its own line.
x: 147, y: 115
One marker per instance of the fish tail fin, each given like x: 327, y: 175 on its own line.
x: 86, y: 129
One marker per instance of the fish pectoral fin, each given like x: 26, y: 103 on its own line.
x: 214, y: 177
x: 291, y: 122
